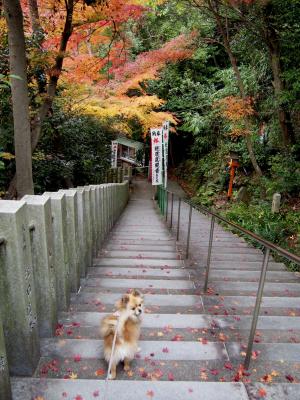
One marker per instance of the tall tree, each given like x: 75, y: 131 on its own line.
x: 214, y: 8
x: 20, y: 100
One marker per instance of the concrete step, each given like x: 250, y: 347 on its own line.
x: 252, y: 265
x: 162, y: 350
x: 141, y: 247
x: 137, y: 272
x: 139, y: 283
x: 53, y: 389
x: 163, y: 255
x: 270, y: 288
x: 272, y: 276
x: 141, y: 242
x: 248, y: 301
x: 195, y: 321
x: 150, y: 299
x: 267, y: 351
x: 121, y: 262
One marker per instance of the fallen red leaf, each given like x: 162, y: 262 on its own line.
x: 100, y: 372
x: 290, y: 378
x: 150, y: 393
x: 261, y: 392
x: 171, y: 376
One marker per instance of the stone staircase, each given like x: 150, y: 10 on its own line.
x: 192, y: 345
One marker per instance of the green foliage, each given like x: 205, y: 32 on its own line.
x: 74, y: 150
x: 279, y: 228
x: 284, y: 175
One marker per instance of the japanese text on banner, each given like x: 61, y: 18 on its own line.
x: 166, y: 128
x: 114, y: 154
x: 156, y: 145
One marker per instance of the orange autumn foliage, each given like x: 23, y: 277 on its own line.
x: 236, y: 110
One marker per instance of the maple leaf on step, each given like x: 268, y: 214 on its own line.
x: 290, y: 378
x: 165, y: 350
x: 150, y: 393
x: 171, y: 376
x: 73, y: 375
x: 261, y: 393
x: 100, y: 372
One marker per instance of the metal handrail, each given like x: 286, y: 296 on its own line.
x: 268, y: 247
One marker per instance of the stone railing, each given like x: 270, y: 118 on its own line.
x: 47, y: 243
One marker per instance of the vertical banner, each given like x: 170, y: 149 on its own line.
x: 156, y: 145
x: 165, y: 130
x: 114, y: 154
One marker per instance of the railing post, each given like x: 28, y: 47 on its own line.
x: 211, y: 236
x: 5, y: 390
x: 167, y: 204
x: 189, y: 233
x: 178, y: 218
x: 172, y: 206
x: 257, y: 307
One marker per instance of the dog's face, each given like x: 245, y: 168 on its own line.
x: 132, y: 303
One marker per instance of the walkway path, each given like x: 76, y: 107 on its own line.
x: 190, y: 344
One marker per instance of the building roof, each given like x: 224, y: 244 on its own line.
x: 130, y: 143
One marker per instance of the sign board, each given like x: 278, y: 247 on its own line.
x: 166, y: 129
x: 156, y: 146
x: 114, y: 154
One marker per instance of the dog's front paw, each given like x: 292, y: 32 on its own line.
x: 111, y: 376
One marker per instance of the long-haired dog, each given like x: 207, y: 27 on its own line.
x: 130, y: 309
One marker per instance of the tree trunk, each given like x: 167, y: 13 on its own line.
x: 34, y: 17
x: 240, y: 82
x: 272, y: 42
x: 55, y: 73
x: 20, y: 100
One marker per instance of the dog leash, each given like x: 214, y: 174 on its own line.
x: 111, y: 356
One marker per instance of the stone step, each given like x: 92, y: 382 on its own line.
x: 141, y: 242
x: 274, y: 276
x: 53, y: 389
x: 204, y: 335
x: 150, y: 299
x: 267, y: 351
x: 139, y: 283
x: 142, y: 235
x: 195, y: 321
x: 140, y: 272
x: 248, y: 301
x: 282, y: 391
x: 270, y: 288
x: 162, y: 350
x: 163, y: 255
x: 121, y: 262
x: 249, y: 266
x: 141, y: 247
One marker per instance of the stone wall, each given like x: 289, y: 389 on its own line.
x: 47, y: 243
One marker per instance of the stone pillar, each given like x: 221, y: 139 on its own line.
x: 5, y: 392
x: 82, y: 233
x: 94, y: 221
x: 17, y: 292
x: 276, y: 202
x: 73, y: 237
x: 42, y: 250
x: 62, y: 267
x: 89, y: 216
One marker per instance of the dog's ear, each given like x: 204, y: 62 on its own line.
x: 136, y: 293
x: 125, y: 299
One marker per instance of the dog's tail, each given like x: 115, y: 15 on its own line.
x: 108, y: 326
